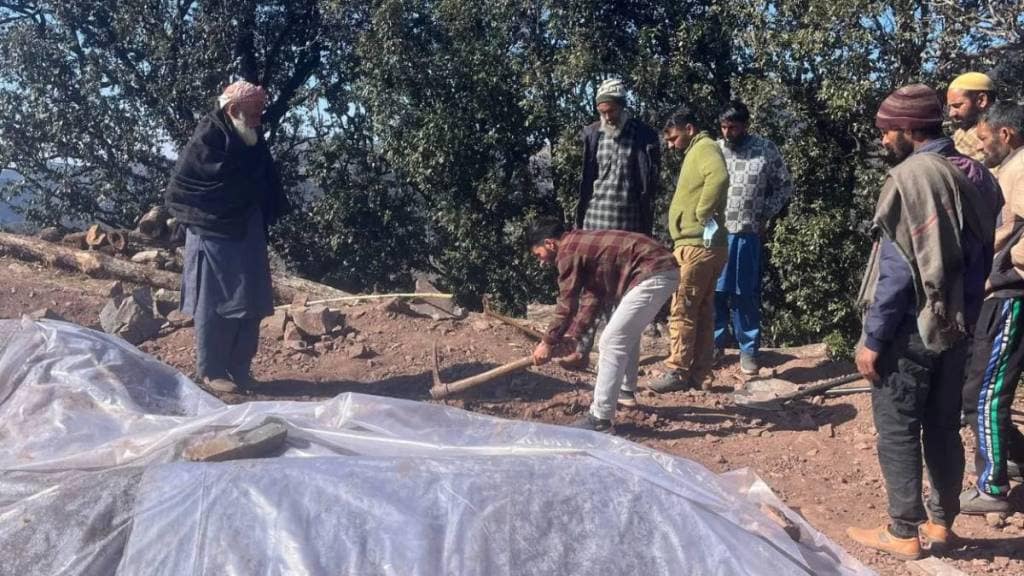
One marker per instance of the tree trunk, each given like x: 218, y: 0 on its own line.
x: 135, y: 240
x: 100, y: 265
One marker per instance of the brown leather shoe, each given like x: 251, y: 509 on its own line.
x: 575, y: 361
x: 937, y: 537
x: 222, y: 385
x: 882, y: 539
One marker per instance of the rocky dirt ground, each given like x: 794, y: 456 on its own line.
x: 819, y: 457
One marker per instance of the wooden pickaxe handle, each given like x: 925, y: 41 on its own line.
x: 488, y: 311
x: 441, y: 390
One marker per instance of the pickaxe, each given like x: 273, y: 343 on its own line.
x: 442, y: 390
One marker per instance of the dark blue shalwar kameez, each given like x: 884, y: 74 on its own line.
x: 226, y: 288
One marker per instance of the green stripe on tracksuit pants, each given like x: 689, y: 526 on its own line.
x: 997, y: 358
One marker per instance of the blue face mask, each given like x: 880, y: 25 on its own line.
x: 710, y: 227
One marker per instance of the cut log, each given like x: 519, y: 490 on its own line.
x: 118, y: 241
x: 92, y: 264
x: 287, y: 287
x: 95, y: 237
x: 135, y: 240
x: 154, y: 223
x: 100, y: 265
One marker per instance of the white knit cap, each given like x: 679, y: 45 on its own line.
x: 612, y: 90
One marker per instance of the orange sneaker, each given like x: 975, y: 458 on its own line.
x: 937, y: 537
x: 882, y: 539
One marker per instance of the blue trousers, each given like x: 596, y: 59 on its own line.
x: 738, y: 295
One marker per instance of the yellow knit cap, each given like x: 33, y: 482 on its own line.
x: 974, y: 81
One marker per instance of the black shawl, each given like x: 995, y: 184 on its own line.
x: 218, y: 181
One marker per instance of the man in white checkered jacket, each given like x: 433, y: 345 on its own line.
x: 759, y: 187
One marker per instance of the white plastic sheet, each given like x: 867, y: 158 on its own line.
x: 91, y: 482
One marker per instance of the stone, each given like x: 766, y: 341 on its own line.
x: 45, y: 314
x: 132, y: 318
x: 779, y: 517
x: 357, y: 350
x: 995, y: 519
x: 300, y: 300
x: 399, y: 306
x: 218, y: 447
x: 1001, y: 561
x: 155, y: 257
x: 294, y: 339
x: 274, y: 326
x: 165, y: 301
x: 316, y: 321
x: 115, y: 290
x: 1016, y: 520
x: 933, y: 566
x: 179, y: 319
x: 480, y: 325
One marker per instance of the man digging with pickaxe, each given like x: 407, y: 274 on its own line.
x: 597, y: 269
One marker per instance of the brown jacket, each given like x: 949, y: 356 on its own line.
x: 1007, y: 277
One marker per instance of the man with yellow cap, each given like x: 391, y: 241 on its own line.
x: 967, y: 98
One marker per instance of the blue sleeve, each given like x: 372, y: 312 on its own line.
x: 894, y: 298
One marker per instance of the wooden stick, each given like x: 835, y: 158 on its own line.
x: 372, y: 297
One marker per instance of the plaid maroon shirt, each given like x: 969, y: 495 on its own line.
x: 595, y: 269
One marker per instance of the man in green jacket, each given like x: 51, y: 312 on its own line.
x: 699, y: 246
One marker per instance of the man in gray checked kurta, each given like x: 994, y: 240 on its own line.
x: 759, y: 187
x: 621, y: 160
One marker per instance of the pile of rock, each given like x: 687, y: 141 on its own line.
x: 305, y: 328
x: 140, y: 315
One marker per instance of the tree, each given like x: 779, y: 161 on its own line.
x: 425, y: 134
x: 95, y: 95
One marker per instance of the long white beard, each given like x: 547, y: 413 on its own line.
x: 614, y: 130
x: 249, y: 135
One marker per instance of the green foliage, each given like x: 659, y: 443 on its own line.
x: 426, y: 134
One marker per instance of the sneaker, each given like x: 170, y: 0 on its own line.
x: 973, y: 501
x: 575, y: 361
x: 1013, y: 469
x: 937, y: 537
x: 595, y: 424
x: 670, y: 382
x: 748, y: 365
x: 882, y: 539
x: 222, y: 385
x: 627, y: 398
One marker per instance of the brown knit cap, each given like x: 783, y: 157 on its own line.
x: 911, y: 107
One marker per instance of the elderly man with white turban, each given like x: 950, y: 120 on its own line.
x: 620, y: 181
x: 968, y: 97
x: 226, y: 191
